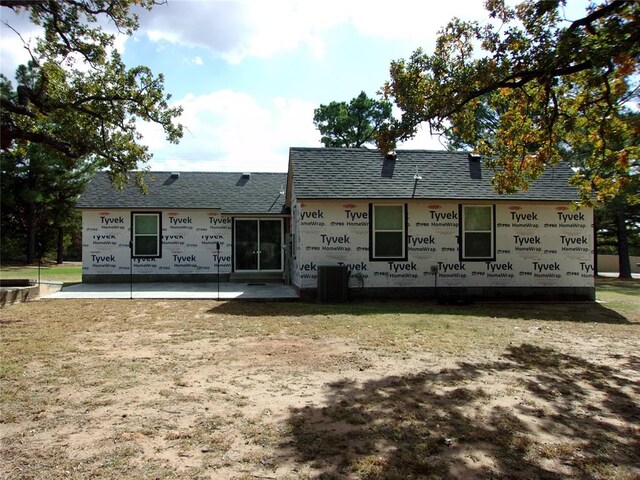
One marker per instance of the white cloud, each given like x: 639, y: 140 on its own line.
x: 221, y: 26
x: 13, y: 49
x: 231, y: 131
x: 237, y: 29
x: 423, y: 140
x: 228, y: 130
x: 417, y: 22
x: 13, y: 53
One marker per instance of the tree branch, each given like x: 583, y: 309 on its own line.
x: 12, y: 4
x: 10, y: 133
x: 17, y: 109
x: 513, y: 81
x: 601, y: 12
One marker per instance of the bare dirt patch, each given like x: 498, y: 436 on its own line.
x: 199, y: 389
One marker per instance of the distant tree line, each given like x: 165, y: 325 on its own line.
x: 37, y: 205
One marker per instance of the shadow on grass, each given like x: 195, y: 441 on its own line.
x: 436, y: 425
x: 583, y: 312
x: 630, y: 286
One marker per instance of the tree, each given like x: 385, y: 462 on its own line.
x: 39, y: 188
x: 353, y: 124
x: 515, y: 91
x: 76, y: 96
x: 578, y: 146
x: 62, y: 192
x: 620, y: 215
x: 39, y: 192
x: 618, y: 232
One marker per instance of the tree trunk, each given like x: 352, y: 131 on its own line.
x: 60, y: 250
x: 31, y: 232
x: 624, y: 265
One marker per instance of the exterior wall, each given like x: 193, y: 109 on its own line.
x: 188, y: 246
x: 542, y: 249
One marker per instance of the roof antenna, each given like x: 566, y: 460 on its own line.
x: 417, y: 176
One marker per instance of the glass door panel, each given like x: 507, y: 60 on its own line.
x: 246, y: 248
x: 270, y: 244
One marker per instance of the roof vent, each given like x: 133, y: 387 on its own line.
x: 474, y: 157
x: 246, y: 175
x: 175, y: 174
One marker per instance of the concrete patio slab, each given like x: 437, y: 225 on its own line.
x: 228, y: 291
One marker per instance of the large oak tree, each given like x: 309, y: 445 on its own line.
x: 528, y: 86
x: 81, y: 100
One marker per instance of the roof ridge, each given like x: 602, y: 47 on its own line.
x: 104, y: 172
x: 375, y: 150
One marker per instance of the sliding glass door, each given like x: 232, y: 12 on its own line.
x: 258, y: 245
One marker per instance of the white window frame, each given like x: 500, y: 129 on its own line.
x: 158, y: 235
x: 374, y: 230
x: 464, y: 231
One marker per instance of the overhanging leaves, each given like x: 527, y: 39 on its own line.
x: 518, y: 92
x: 76, y: 95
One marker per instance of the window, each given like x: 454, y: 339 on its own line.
x: 145, y: 234
x: 388, y: 232
x: 477, y: 232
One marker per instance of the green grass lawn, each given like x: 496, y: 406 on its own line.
x: 621, y: 295
x: 49, y: 272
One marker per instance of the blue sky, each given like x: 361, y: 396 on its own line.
x: 249, y: 73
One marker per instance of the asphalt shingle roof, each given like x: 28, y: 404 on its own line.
x: 229, y: 192
x: 363, y: 173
